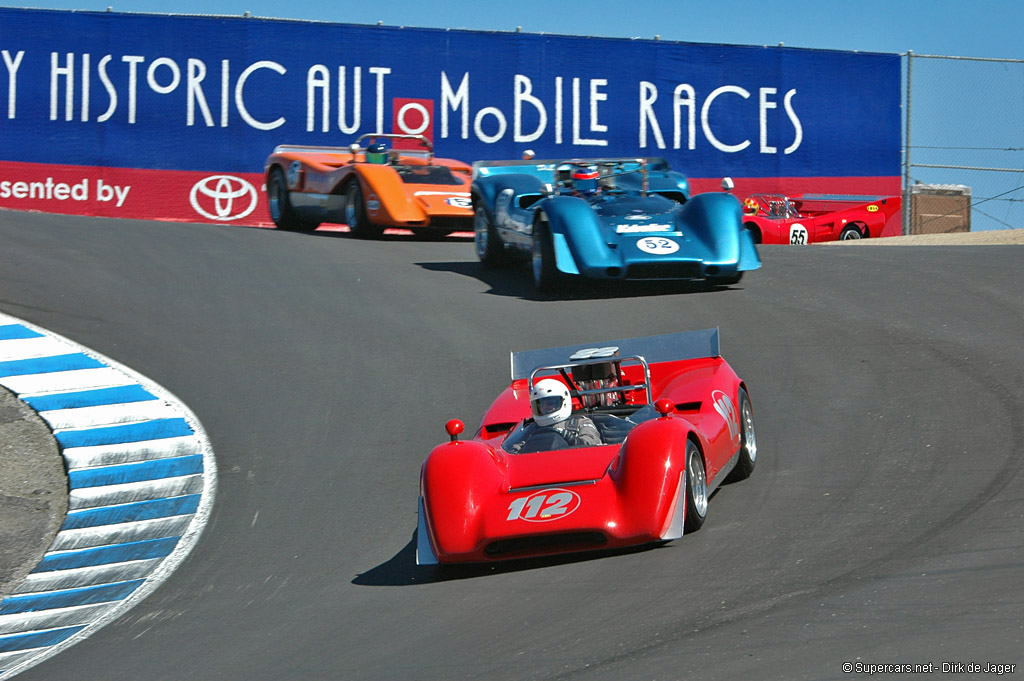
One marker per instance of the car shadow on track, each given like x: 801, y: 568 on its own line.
x: 402, y: 570
x: 516, y: 282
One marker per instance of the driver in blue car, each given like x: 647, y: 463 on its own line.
x: 585, y: 182
x: 377, y: 153
x: 551, y: 405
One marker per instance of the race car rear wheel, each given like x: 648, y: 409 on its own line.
x: 281, y: 211
x: 359, y: 224
x: 748, y: 440
x: 849, y: 233
x: 488, y: 244
x: 696, y: 489
x: 546, y: 276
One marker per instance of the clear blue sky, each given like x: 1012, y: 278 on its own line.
x: 982, y: 28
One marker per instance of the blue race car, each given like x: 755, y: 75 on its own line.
x: 607, y: 218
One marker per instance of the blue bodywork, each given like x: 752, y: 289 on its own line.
x: 642, y: 224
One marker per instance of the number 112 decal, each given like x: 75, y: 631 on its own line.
x: 543, y: 506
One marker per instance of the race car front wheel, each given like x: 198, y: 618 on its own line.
x: 696, y: 489
x: 488, y: 244
x: 359, y: 225
x: 281, y: 211
x: 546, y: 276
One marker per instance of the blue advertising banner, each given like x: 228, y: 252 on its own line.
x: 216, y: 94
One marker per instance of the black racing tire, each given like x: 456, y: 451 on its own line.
x: 748, y: 440
x: 430, y: 234
x: 850, y: 233
x: 696, y: 489
x: 726, y: 281
x: 546, y: 277
x: 489, y: 248
x: 279, y: 202
x: 359, y: 224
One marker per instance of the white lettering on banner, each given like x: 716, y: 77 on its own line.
x: 151, y: 76
x: 318, y: 84
x: 705, y: 123
x: 538, y: 110
x: 85, y: 87
x: 380, y: 72
x: 797, y: 128
x: 240, y: 100
x: 109, y: 87
x: 49, y: 190
x: 454, y: 101
x: 68, y: 72
x: 196, y: 74
x: 684, y: 95
x: 357, y: 100
x: 763, y: 106
x: 225, y: 80
x: 649, y: 95
x: 62, y: 191
x: 318, y: 78
x: 594, y: 125
x: 109, y: 192
x: 12, y: 81
x: 404, y: 127
x: 690, y: 102
x: 522, y: 91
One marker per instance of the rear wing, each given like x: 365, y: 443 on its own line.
x: 358, y: 146
x: 545, y: 170
x: 668, y: 347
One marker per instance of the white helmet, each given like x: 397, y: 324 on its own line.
x: 550, y: 402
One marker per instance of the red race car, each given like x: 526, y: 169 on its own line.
x: 369, y: 189
x: 590, y: 447
x: 813, y: 218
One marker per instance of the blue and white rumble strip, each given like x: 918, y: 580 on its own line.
x: 141, y: 476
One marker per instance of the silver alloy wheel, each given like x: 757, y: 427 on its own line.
x: 749, y: 438
x: 698, y: 483
x: 851, y: 234
x: 480, y: 229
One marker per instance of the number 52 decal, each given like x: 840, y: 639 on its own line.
x: 543, y: 506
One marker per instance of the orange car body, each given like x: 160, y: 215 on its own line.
x: 411, y: 190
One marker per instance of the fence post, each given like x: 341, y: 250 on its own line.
x: 906, y: 148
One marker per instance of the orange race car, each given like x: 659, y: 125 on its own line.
x: 369, y: 189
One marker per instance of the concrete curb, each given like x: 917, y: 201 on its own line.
x: 139, y: 487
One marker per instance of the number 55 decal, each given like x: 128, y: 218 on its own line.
x: 797, y: 234
x: 543, y: 506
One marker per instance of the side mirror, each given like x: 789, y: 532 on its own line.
x: 664, y: 406
x: 454, y: 427
x: 727, y: 184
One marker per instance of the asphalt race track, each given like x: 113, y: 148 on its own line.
x: 883, y: 523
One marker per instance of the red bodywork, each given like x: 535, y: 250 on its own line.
x: 812, y: 218
x: 480, y: 503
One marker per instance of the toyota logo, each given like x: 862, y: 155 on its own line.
x: 223, y: 197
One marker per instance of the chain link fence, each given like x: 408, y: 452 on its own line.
x: 964, y: 119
